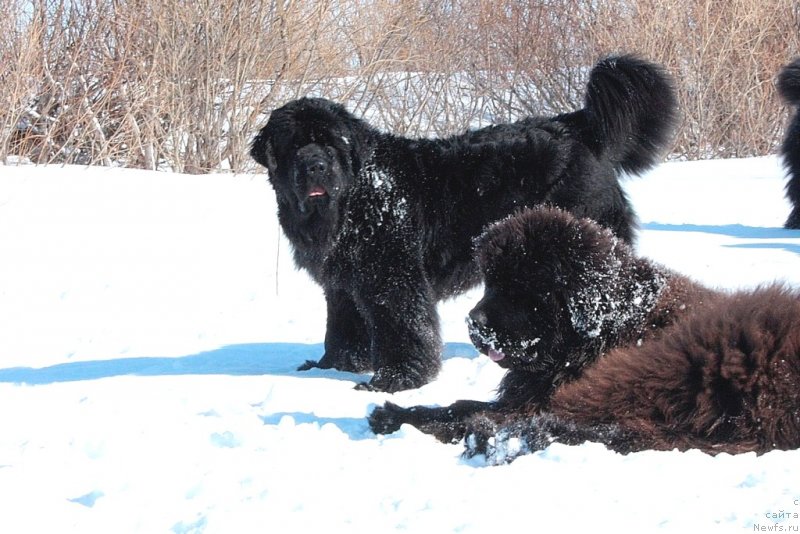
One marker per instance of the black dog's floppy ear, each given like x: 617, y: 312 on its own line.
x: 262, y: 151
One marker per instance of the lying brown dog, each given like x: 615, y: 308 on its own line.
x: 604, y: 346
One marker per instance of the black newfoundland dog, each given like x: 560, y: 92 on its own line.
x: 604, y: 346
x: 386, y: 224
x: 789, y: 88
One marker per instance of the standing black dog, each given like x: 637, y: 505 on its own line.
x: 385, y: 223
x: 789, y: 88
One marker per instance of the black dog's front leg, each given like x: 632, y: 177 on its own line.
x: 347, y: 342
x: 448, y: 424
x: 378, y: 260
x: 404, y: 331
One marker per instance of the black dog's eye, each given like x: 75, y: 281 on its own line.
x: 341, y: 155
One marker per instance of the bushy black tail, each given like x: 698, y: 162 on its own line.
x: 789, y: 88
x: 789, y: 83
x: 631, y: 110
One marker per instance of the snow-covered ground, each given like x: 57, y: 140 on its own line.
x: 151, y: 324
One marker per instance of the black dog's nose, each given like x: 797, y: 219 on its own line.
x: 478, y: 317
x: 317, y: 167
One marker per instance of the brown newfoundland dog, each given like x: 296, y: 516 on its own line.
x: 604, y: 346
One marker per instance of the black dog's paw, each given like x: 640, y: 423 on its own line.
x: 308, y: 365
x: 366, y: 386
x: 400, y: 377
x: 387, y: 418
x: 350, y: 361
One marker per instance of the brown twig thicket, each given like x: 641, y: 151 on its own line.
x: 183, y: 86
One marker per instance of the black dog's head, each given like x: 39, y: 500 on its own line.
x: 313, y: 149
x: 557, y: 290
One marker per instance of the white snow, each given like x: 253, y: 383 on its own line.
x: 151, y: 324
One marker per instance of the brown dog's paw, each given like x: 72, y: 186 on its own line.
x: 499, y: 444
x: 480, y: 435
x: 387, y: 418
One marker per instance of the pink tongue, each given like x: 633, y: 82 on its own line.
x: 317, y: 192
x: 495, y: 355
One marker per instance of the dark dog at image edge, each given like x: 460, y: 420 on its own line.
x: 385, y: 224
x: 789, y: 88
x: 604, y: 346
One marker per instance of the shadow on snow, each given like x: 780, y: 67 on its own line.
x: 234, y: 360
x: 738, y: 231
x: 356, y: 428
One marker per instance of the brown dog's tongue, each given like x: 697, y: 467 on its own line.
x: 495, y: 355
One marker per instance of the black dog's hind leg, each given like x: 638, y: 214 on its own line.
x: 448, y: 424
x: 347, y: 342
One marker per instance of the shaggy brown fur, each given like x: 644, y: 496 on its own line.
x: 607, y: 347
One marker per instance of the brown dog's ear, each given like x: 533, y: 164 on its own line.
x: 262, y: 151
x: 588, y: 309
x: 615, y: 296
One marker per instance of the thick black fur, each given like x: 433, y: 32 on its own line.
x: 386, y: 224
x: 789, y: 88
x: 605, y: 346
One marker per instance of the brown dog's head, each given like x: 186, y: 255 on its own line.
x: 558, y: 290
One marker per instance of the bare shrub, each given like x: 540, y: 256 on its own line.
x: 725, y: 58
x: 19, y: 53
x: 175, y: 84
x: 183, y: 85
x: 532, y: 56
